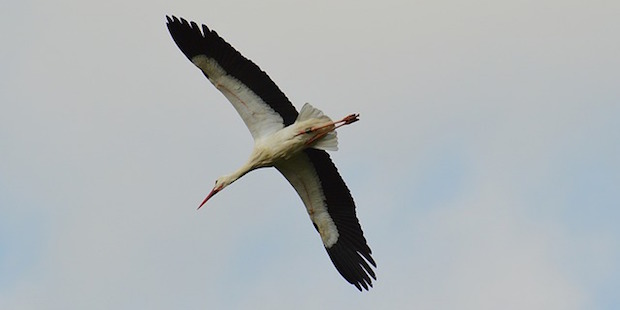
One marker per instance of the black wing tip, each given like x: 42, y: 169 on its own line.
x: 173, y: 21
x: 352, y: 264
x: 188, y: 36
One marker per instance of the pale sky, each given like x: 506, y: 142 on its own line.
x: 485, y: 166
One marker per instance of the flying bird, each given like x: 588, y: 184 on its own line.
x: 292, y: 142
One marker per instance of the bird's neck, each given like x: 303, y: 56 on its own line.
x: 256, y: 160
x: 247, y: 167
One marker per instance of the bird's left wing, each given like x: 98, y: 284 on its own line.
x: 332, y: 211
x: 261, y: 104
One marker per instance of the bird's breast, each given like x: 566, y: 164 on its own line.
x: 279, y: 146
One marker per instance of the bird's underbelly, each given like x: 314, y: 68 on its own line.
x: 274, y: 153
x: 281, y: 145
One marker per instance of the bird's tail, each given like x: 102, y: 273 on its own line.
x: 330, y: 141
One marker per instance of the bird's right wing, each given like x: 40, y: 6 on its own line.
x: 332, y: 211
x: 258, y: 100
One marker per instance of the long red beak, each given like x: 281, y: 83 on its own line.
x: 213, y: 192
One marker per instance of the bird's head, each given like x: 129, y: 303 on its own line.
x: 220, y: 183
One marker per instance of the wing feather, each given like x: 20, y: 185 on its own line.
x: 261, y: 104
x: 332, y: 211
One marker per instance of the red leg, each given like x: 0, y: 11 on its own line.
x: 349, y: 119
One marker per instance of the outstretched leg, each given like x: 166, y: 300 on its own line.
x: 349, y: 119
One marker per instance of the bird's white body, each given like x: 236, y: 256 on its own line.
x: 292, y: 142
x: 282, y: 149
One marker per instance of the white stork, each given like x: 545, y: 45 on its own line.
x: 292, y: 142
